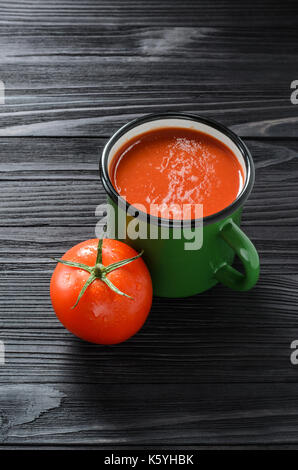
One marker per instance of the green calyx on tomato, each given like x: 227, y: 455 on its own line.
x: 99, y: 271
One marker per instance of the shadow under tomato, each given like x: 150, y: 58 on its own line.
x: 207, y: 337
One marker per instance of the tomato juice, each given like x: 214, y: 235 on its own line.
x: 172, y: 166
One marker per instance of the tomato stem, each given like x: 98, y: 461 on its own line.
x: 99, y: 252
x: 119, y: 264
x: 73, y: 264
x: 114, y: 288
x: 99, y: 271
x: 89, y: 281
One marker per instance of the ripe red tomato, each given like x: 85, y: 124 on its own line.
x: 101, y: 315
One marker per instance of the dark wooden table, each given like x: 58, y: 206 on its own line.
x: 208, y: 371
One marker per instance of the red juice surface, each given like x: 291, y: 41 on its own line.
x: 176, y: 166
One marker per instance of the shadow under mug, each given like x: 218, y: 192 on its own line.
x: 175, y: 271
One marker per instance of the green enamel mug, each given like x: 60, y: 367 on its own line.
x: 190, y: 256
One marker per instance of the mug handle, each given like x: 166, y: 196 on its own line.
x: 248, y: 255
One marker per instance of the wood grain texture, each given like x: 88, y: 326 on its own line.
x: 84, y: 69
x: 49, y: 191
x: 55, y: 183
x: 149, y: 414
x: 142, y: 12
x: 212, y: 370
x: 191, y: 345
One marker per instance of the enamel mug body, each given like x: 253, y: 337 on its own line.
x: 186, y: 257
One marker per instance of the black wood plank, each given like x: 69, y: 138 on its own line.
x: 149, y: 414
x: 84, y: 69
x: 214, y: 338
x: 209, y: 370
x: 143, y: 12
x: 25, y: 304
x: 55, y: 182
x: 49, y: 191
